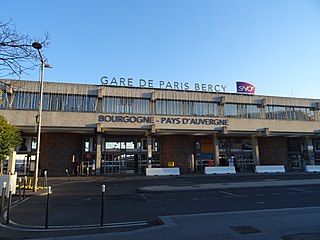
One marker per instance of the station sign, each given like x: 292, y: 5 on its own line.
x: 162, y: 120
x: 150, y: 83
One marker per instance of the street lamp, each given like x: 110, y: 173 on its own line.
x: 38, y: 46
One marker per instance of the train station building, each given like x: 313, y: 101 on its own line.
x: 118, y: 128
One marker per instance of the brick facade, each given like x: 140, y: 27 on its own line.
x: 177, y: 149
x: 273, y: 151
x: 57, y: 150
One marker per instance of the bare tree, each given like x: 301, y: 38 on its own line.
x: 16, y: 53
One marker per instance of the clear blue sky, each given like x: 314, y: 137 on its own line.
x: 272, y: 44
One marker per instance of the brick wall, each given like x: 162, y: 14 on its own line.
x: 273, y: 151
x: 57, y: 150
x: 177, y: 149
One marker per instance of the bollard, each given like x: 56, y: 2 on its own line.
x: 24, y: 186
x: 19, y: 189
x: 47, y: 207
x: 87, y: 174
x: 103, y: 190
x: 45, y: 179
x: 68, y: 174
x: 3, y: 195
x: 30, y: 183
x: 9, y: 204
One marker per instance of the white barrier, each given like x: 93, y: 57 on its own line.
x: 220, y: 170
x: 162, y: 171
x: 270, y: 169
x: 312, y: 168
x: 10, y: 180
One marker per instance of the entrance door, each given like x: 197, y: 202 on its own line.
x: 244, y: 162
x: 124, y: 163
x: 128, y: 156
x: 131, y: 162
x: 295, y: 162
x: 112, y: 163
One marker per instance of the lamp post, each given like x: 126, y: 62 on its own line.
x: 38, y: 46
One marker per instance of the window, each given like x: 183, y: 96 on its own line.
x: 55, y: 102
x: 26, y: 101
x: 317, y: 145
x: 230, y: 110
x: 3, y: 100
x: 154, y: 145
x: 186, y: 108
x: 289, y: 113
x: 241, y: 110
x: 75, y: 103
x: 90, y: 144
x: 126, y: 105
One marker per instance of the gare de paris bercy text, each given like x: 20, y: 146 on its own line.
x: 131, y: 82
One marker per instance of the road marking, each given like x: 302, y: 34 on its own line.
x: 144, y: 197
x: 276, y: 194
x: 298, y: 190
x: 230, y: 194
x: 208, y: 198
x: 14, y: 204
x: 195, y: 199
x: 29, y: 228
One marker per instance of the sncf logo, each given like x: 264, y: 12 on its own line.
x: 243, y: 87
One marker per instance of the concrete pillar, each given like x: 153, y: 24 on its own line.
x: 215, y: 142
x: 12, y: 162
x: 262, y: 112
x: 255, y: 151
x: 221, y: 106
x: 98, y: 150
x: 101, y: 93
x: 308, y: 150
x: 149, y: 149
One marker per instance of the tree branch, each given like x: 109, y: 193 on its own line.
x: 16, y: 52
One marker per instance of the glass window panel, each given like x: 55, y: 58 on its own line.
x: 126, y: 105
x: 3, y: 100
x: 186, y: 108
x: 289, y: 113
x: 112, y: 145
x: 55, y: 102
x: 241, y: 110
x: 230, y: 110
x: 130, y: 145
x: 87, y: 146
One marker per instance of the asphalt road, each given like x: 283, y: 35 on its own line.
x: 125, y: 207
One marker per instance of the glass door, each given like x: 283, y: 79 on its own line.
x: 128, y: 156
x: 112, y: 164
x: 244, y: 162
x: 295, y: 162
x: 131, y: 163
